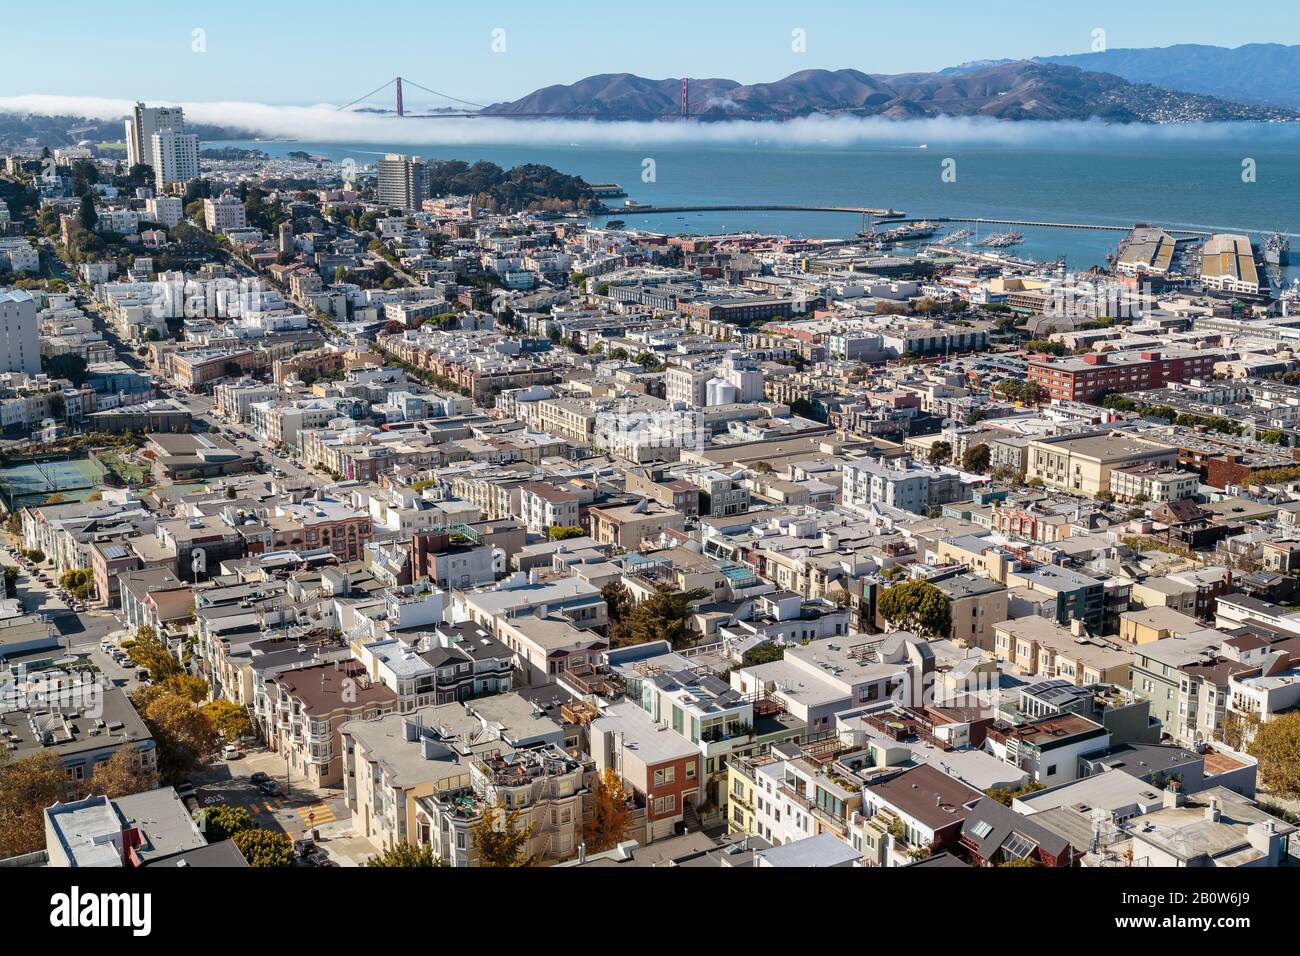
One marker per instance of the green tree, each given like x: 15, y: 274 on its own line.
x: 663, y: 616
x: 1276, y: 745
x: 262, y: 847
x: 405, y: 855
x: 74, y: 578
x: 1004, y: 796
x: 762, y: 654
x: 940, y: 453
x: 223, y: 821
x: 976, y: 459
x: 563, y: 532
x: 86, y: 214
x: 499, y: 838
x: 1043, y: 345
x: 619, y: 608
x: 916, y: 606
x: 69, y: 366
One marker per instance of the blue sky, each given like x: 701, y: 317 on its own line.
x: 292, y: 52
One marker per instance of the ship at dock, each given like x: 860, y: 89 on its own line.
x: 1001, y: 240
x: 1277, y: 249
x: 905, y: 233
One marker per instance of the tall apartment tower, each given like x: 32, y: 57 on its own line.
x: 144, y: 122
x: 20, y: 343
x: 175, y: 158
x: 403, y: 181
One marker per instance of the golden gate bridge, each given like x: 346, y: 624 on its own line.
x: 465, y: 109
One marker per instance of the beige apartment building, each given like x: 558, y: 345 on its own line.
x: 628, y: 525
x: 1155, y: 624
x: 976, y: 603
x: 308, y: 708
x: 1082, y: 465
x: 1039, y: 648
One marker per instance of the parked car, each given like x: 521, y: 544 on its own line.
x: 259, y: 778
x: 303, y: 847
x: 269, y: 788
x: 185, y: 789
x: 230, y: 752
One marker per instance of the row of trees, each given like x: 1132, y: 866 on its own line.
x: 187, y: 727
x: 259, y: 846
x: 975, y: 459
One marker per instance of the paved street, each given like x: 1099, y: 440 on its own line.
x: 296, y: 811
x: 77, y: 630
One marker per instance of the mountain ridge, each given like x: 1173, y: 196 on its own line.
x: 1259, y: 73
x: 1015, y: 90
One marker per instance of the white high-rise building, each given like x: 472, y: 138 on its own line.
x: 167, y: 211
x: 224, y: 213
x: 144, y: 122
x: 175, y: 158
x: 403, y: 181
x: 20, y: 343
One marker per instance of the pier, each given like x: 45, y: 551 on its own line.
x: 1092, y: 226
x: 890, y: 214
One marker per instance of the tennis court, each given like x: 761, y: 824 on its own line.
x: 34, y: 482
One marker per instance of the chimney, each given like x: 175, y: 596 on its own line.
x: 1212, y: 811
x: 1173, y: 798
x: 1264, y: 837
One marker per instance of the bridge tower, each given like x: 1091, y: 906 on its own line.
x: 399, y: 97
x: 686, y: 87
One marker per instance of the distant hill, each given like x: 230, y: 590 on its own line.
x: 53, y: 131
x: 1018, y: 90
x: 1267, y: 73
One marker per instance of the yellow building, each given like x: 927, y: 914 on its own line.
x: 1155, y: 624
x: 1082, y: 464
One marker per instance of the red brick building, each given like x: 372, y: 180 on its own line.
x: 1086, y: 378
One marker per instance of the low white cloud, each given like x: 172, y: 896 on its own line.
x: 323, y: 123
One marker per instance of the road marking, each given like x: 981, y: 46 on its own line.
x: 316, y: 814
